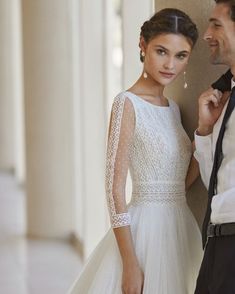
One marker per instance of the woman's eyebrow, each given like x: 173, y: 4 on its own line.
x: 162, y: 47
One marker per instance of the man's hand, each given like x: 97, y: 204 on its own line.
x: 211, y: 104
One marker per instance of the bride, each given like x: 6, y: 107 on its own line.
x: 154, y: 246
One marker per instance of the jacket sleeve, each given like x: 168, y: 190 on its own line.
x: 121, y: 131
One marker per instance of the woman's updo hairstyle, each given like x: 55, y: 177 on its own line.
x: 169, y: 21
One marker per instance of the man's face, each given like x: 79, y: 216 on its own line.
x: 220, y: 36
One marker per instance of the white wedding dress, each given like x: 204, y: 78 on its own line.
x: 150, y: 141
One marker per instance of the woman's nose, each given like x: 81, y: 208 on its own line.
x: 169, y: 64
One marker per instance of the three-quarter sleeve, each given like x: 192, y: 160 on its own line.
x: 121, y: 132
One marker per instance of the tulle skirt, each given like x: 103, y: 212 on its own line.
x: 168, y: 246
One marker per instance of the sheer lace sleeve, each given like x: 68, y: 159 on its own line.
x: 121, y: 130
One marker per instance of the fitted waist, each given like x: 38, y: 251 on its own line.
x: 161, y: 192
x: 159, y: 187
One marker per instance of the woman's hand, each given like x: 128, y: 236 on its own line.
x: 132, y: 275
x: 132, y: 279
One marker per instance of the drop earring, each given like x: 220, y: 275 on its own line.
x: 145, y: 75
x: 185, y: 83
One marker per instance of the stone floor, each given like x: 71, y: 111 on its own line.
x: 30, y: 266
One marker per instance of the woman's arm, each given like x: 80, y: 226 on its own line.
x: 193, y: 170
x: 132, y: 276
x: 121, y: 132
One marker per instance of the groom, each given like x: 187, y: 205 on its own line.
x: 215, y: 152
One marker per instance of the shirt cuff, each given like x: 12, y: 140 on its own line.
x: 202, y: 143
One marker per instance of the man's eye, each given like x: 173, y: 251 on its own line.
x: 161, y: 52
x: 217, y: 25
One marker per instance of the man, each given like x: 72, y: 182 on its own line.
x: 215, y: 151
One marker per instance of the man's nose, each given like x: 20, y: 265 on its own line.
x: 207, y: 35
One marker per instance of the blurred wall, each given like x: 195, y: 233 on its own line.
x: 200, y: 74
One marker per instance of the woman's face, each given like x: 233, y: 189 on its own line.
x: 166, y: 56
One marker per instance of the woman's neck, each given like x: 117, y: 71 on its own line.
x: 148, y: 87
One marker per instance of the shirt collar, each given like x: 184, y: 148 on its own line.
x: 232, y: 83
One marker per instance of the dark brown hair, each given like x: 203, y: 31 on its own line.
x: 231, y: 4
x: 169, y: 21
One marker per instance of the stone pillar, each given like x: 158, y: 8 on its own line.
x: 93, y: 121
x: 200, y: 74
x: 132, y: 22
x: 49, y: 117
x: 17, y: 91
x: 6, y: 97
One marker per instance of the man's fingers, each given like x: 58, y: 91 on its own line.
x: 217, y: 93
x: 211, y: 97
x: 215, y: 100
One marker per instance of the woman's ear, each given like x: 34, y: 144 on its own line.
x: 142, y: 44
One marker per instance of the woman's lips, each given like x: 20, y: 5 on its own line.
x: 167, y: 74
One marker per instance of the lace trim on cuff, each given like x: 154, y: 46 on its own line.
x: 121, y: 220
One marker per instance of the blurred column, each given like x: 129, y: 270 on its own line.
x: 6, y: 85
x: 132, y: 22
x: 49, y: 117
x: 200, y: 74
x: 94, y: 53
x: 92, y: 56
x: 17, y: 90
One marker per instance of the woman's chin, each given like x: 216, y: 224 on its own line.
x: 165, y: 82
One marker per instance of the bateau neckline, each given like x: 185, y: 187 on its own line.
x: 145, y: 101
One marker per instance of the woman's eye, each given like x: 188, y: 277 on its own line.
x: 181, y: 56
x: 161, y: 52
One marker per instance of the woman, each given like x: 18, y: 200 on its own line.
x: 155, y: 245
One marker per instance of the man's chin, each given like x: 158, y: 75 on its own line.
x: 215, y: 60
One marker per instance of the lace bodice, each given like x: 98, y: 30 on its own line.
x: 150, y: 141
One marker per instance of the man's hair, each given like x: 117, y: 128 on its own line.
x: 231, y: 4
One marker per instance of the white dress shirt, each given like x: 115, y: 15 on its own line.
x: 223, y: 203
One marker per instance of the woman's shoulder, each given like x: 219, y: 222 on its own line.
x: 123, y: 101
x: 173, y: 102
x: 125, y: 97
